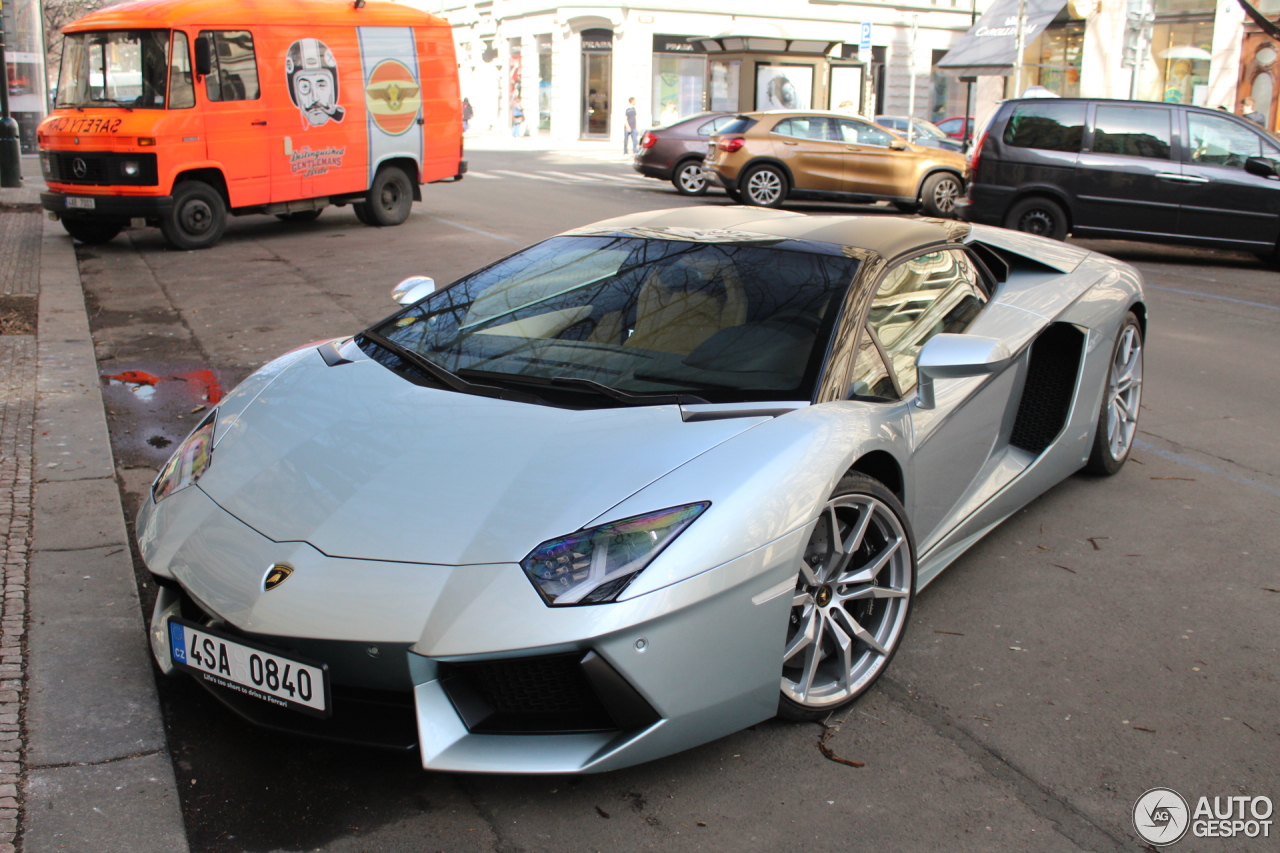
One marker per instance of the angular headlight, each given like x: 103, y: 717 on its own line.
x: 188, y: 462
x: 594, y: 565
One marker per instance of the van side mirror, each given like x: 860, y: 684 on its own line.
x: 204, y: 56
x: 413, y: 288
x: 948, y: 355
x: 1263, y: 167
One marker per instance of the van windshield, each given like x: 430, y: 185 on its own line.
x: 114, y: 68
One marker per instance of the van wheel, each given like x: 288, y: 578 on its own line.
x: 198, y: 218
x: 390, y: 198
x: 1039, y: 216
x: 940, y: 193
x: 91, y: 231
x: 300, y: 215
x: 361, y: 210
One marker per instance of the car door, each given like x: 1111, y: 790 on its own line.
x: 236, y: 123
x: 808, y: 147
x: 1221, y: 201
x: 940, y: 291
x: 1126, y: 179
x: 872, y: 165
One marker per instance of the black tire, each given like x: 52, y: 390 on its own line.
x: 939, y: 194
x: 361, y: 210
x: 846, y: 602
x: 907, y: 206
x: 764, y: 186
x: 300, y: 215
x: 734, y: 195
x: 1038, y: 215
x: 198, y: 218
x: 92, y: 231
x: 688, y: 178
x: 1112, y: 442
x: 390, y: 198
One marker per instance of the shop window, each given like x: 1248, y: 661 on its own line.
x: 724, y: 85
x: 544, y: 81
x: 678, y: 86
x: 234, y: 73
x: 1132, y: 132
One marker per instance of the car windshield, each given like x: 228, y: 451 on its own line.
x: 727, y: 318
x: 114, y: 68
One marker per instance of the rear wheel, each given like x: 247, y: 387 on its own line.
x: 300, y: 215
x: 92, y: 231
x: 764, y: 186
x: 198, y: 217
x: 1121, y: 400
x: 1038, y: 215
x: 390, y: 198
x: 940, y: 193
x: 689, y: 178
x: 851, y: 602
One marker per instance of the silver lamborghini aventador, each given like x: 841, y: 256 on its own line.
x: 635, y: 487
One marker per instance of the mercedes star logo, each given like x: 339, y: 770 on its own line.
x: 79, y: 167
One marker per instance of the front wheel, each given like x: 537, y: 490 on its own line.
x: 91, y: 231
x: 852, y: 599
x: 1040, y: 216
x: 940, y: 193
x: 390, y: 198
x: 198, y: 217
x: 1121, y: 400
x: 689, y: 178
x: 764, y: 186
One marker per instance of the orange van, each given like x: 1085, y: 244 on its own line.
x: 176, y: 113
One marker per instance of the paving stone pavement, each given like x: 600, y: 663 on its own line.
x: 19, y: 265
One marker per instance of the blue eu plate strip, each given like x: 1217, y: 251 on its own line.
x: 178, y: 642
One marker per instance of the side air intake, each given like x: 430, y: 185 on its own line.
x: 1051, y: 382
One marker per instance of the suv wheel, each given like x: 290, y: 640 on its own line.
x: 764, y: 186
x: 1041, y: 216
x: 940, y: 193
x: 689, y: 178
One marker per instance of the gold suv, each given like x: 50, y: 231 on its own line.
x: 766, y: 158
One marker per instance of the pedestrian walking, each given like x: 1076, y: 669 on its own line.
x: 517, y: 118
x: 467, y: 114
x: 629, y: 132
x: 1247, y: 110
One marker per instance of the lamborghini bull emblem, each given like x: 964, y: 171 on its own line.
x: 393, y: 96
x: 276, y: 575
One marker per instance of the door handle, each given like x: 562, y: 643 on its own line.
x: 1182, y: 179
x: 785, y: 142
x: 258, y: 123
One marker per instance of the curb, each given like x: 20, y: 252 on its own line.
x: 98, y: 773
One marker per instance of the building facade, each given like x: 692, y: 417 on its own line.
x: 24, y: 61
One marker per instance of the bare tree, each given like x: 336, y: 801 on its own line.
x: 57, y: 14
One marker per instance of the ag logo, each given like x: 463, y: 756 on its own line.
x: 276, y: 575
x: 1161, y: 816
x: 393, y: 96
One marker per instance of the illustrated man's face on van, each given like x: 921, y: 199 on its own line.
x: 316, y: 97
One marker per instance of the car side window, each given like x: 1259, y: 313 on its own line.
x: 1046, y: 126
x: 933, y: 293
x: 1220, y: 141
x: 234, y: 75
x: 862, y: 133
x: 182, y: 92
x: 1133, y: 131
x: 804, y: 128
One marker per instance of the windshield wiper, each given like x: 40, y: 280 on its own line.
x: 447, y: 377
x: 113, y: 102
x: 642, y: 399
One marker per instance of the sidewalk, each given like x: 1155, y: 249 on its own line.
x: 83, y: 759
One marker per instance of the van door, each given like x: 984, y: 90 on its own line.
x: 1127, y: 180
x: 1221, y: 201
x: 236, y: 124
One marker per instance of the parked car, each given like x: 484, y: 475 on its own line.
x: 687, y: 470
x: 674, y: 153
x: 765, y: 158
x: 924, y: 133
x: 955, y: 127
x: 1133, y: 170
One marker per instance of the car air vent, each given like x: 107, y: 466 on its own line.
x: 1051, y: 382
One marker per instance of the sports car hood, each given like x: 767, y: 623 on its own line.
x: 360, y: 463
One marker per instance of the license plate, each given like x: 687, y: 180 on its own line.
x: 249, y: 668
x: 81, y: 203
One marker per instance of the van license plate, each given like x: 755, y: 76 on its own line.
x: 81, y: 203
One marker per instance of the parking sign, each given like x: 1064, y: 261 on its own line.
x: 864, y: 43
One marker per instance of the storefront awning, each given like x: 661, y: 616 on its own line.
x: 988, y: 48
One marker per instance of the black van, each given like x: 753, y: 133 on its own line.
x: 1133, y: 170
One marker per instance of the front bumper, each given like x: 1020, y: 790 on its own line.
x: 108, y: 206
x: 702, y: 656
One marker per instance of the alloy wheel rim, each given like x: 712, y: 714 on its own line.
x: 945, y: 194
x: 1037, y: 222
x: 765, y: 187
x: 197, y: 217
x: 850, y: 603
x: 1124, y: 393
x: 692, y: 179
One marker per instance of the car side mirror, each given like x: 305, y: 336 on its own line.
x: 949, y: 356
x: 413, y: 288
x: 898, y: 145
x: 204, y: 56
x: 1263, y: 167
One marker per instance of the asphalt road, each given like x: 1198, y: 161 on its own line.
x: 1115, y: 636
